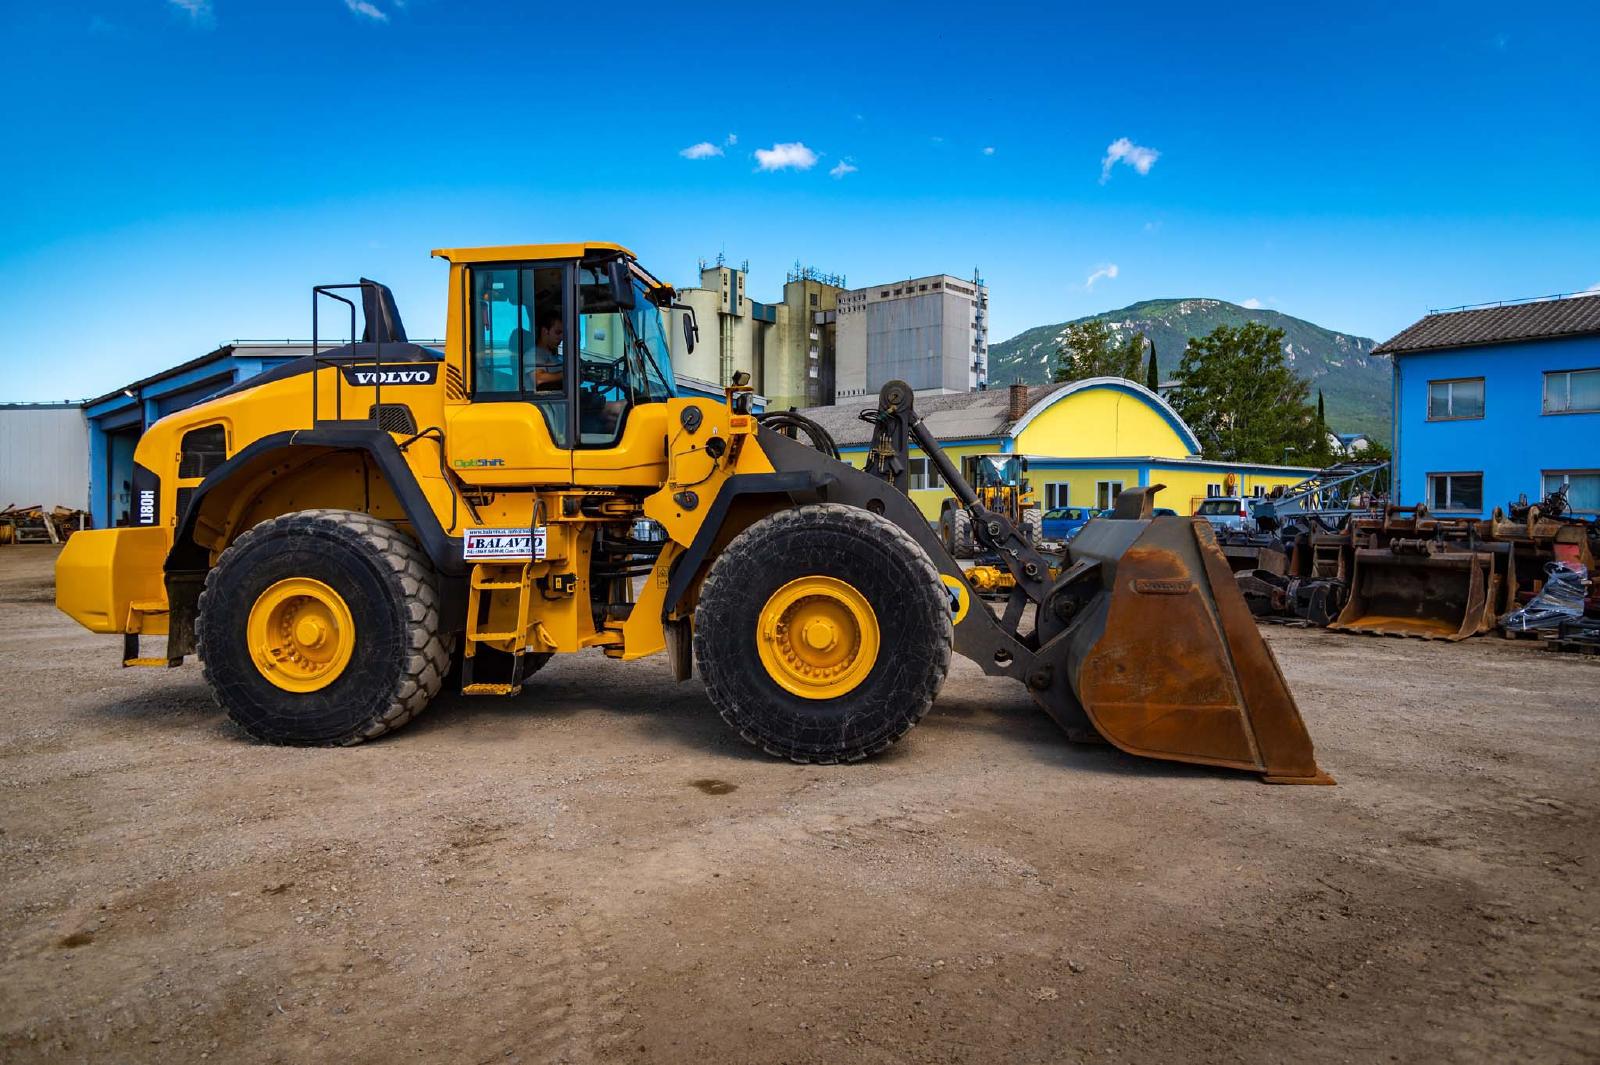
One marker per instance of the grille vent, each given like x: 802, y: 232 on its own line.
x: 454, y: 387
x: 393, y: 418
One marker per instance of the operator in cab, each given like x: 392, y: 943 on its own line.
x: 548, y: 372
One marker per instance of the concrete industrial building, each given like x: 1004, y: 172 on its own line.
x: 931, y: 332
x: 825, y: 344
x: 786, y: 347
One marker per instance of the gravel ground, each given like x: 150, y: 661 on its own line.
x: 599, y: 871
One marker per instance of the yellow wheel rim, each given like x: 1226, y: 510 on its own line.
x: 301, y: 634
x: 818, y: 637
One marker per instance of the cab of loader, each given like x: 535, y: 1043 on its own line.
x: 563, y: 357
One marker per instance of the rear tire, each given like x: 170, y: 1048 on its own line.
x: 397, y: 654
x: 881, y: 566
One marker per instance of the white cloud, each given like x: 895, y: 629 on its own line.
x: 703, y: 150
x: 988, y: 151
x: 199, y: 11
x: 1104, y: 273
x: 733, y: 138
x: 1593, y: 289
x: 845, y: 167
x: 1252, y: 304
x: 786, y: 155
x: 366, y: 10
x: 1123, y: 150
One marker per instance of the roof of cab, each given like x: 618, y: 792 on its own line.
x: 515, y: 252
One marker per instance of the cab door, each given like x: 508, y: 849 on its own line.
x: 518, y: 427
x: 623, y: 382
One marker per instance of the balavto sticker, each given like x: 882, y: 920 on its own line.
x: 421, y: 373
x: 514, y: 544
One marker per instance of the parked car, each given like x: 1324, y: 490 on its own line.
x: 1063, y: 523
x: 1164, y: 512
x: 1226, y: 512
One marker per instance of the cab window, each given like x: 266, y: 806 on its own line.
x: 622, y: 357
x: 519, y: 338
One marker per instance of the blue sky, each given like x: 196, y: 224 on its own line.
x: 179, y: 173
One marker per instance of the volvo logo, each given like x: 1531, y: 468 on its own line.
x: 369, y: 376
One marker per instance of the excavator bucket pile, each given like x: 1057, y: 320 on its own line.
x: 1423, y: 588
x: 1418, y: 576
x: 1165, y: 658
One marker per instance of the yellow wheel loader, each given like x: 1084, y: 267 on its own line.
x: 1000, y: 487
x: 327, y: 536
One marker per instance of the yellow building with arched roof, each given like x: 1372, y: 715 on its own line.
x: 1084, y: 441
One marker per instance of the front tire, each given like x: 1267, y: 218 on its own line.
x: 823, y: 633
x: 321, y: 628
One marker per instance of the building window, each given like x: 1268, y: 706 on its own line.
x: 1258, y: 491
x: 1572, y: 391
x: 1057, y: 494
x: 1583, y: 488
x: 1105, y: 493
x: 1455, y: 491
x: 813, y: 299
x: 1213, y: 490
x: 884, y: 294
x: 1449, y: 400
x: 924, y: 474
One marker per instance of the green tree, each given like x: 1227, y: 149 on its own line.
x: 1090, y: 349
x: 1238, y: 394
x: 1152, y: 374
x: 1324, y: 450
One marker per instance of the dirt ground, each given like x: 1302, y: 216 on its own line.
x: 600, y: 871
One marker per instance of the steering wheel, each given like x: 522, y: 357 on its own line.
x: 604, y: 374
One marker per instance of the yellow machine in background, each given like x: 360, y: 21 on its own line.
x: 334, y: 537
x: 1001, y: 487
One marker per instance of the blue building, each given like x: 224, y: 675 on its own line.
x: 1496, y: 402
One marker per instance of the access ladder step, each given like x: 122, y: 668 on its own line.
x: 132, y: 658
x: 498, y: 585
x: 480, y: 637
x: 490, y: 689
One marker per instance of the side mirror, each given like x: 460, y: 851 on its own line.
x: 621, y: 283
x: 691, y: 331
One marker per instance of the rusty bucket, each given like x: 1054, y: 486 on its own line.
x: 1165, y: 657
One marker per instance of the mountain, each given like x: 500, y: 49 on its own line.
x: 1354, y: 382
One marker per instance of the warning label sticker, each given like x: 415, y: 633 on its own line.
x: 504, y: 543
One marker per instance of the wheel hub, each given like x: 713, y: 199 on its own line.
x: 300, y: 634
x: 818, y: 637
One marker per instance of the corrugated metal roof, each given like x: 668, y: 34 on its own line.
x: 951, y: 417
x: 1539, y: 320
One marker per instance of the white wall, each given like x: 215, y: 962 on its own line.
x: 44, y: 457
